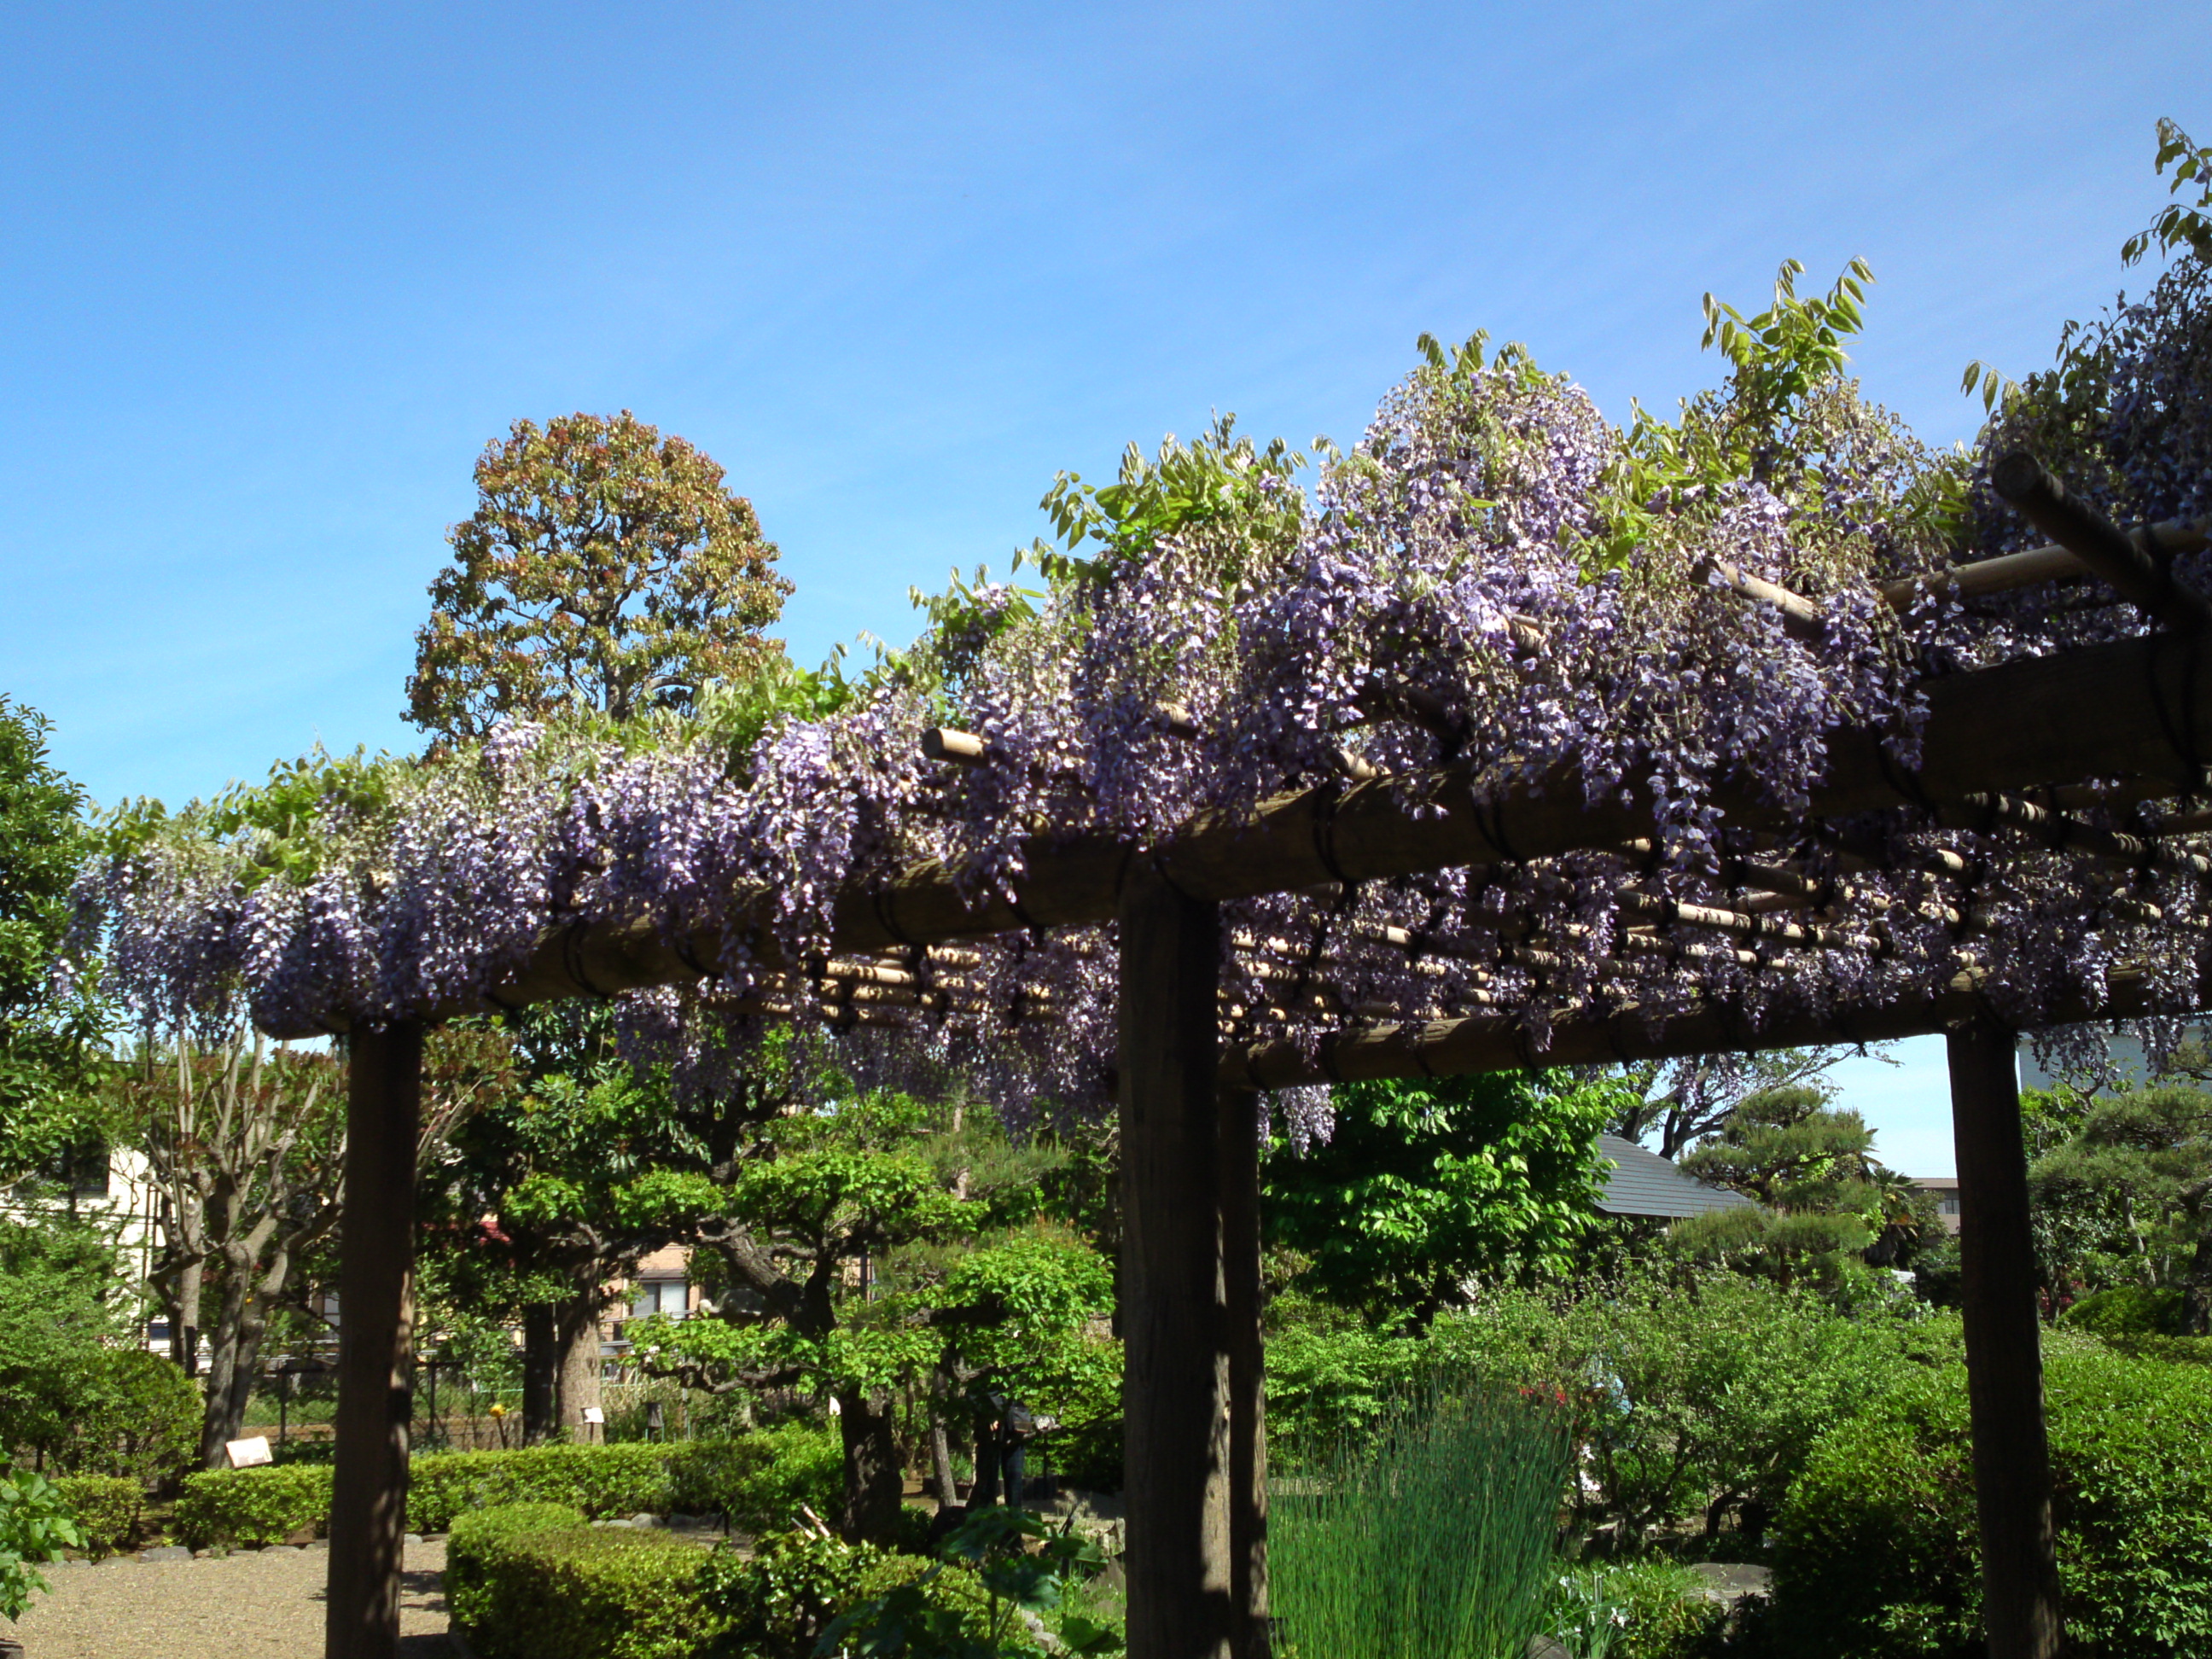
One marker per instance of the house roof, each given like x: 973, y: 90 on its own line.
x: 1645, y: 1183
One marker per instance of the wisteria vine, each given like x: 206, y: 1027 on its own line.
x: 1434, y: 602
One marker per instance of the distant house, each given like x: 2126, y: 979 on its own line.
x: 1945, y: 1191
x: 1642, y: 1183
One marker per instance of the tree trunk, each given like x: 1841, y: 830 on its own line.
x: 223, y: 1410
x: 541, y: 1373
x: 184, y: 1318
x: 2197, y: 1293
x: 2004, y: 1353
x: 941, y: 1463
x: 1175, y: 1385
x: 874, y: 1483
x: 577, y: 1326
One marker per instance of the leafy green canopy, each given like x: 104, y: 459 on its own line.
x: 47, y: 1027
x: 605, y: 568
x: 1426, y: 1185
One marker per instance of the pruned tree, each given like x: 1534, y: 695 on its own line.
x: 246, y: 1147
x: 1683, y: 1101
x: 605, y: 568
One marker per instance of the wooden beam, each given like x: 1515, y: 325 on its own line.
x: 2139, y: 572
x: 2127, y: 708
x: 2004, y: 1354
x: 2053, y: 563
x: 376, y: 1271
x: 1802, y: 619
x: 1502, y: 1041
x: 1175, y: 1392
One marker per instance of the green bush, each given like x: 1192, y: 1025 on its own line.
x: 942, y: 1588
x: 228, y: 1508
x: 600, y: 1480
x: 1644, y: 1609
x: 1876, y: 1554
x: 804, y: 1465
x: 1087, y: 1456
x: 760, y: 1481
x: 777, y: 1602
x: 589, y: 1592
x: 106, y: 1508
x: 132, y: 1413
x: 1695, y: 1395
x: 35, y: 1527
x: 479, y: 1535
x: 2129, y: 1310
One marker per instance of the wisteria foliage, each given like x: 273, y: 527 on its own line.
x: 1433, y: 602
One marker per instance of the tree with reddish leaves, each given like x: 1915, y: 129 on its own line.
x: 606, y: 569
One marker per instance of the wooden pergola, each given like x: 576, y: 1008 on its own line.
x: 2031, y: 750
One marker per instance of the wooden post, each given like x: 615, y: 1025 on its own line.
x: 376, y: 1317
x: 2004, y: 1354
x: 1240, y: 1132
x: 1176, y: 1375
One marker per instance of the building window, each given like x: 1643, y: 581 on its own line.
x: 1949, y: 1206
x: 661, y: 1296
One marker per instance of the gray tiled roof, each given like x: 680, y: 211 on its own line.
x: 1645, y: 1183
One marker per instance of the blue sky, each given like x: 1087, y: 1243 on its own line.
x: 274, y: 274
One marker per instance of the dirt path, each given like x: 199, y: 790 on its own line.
x: 254, y: 1605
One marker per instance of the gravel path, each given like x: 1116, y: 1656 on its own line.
x: 254, y: 1605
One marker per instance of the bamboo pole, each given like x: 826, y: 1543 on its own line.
x: 2037, y: 565
x: 1176, y: 1389
x: 2139, y: 571
x: 368, y: 1501
x: 2004, y: 1355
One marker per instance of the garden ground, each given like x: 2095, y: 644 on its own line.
x: 256, y: 1604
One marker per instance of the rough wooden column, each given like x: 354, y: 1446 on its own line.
x: 1240, y: 1138
x: 2004, y: 1354
x: 1175, y: 1377
x: 368, y: 1501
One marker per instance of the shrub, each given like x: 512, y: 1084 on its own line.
x: 588, y: 1593
x: 934, y: 1600
x: 600, y: 1480
x: 1087, y: 1456
x: 479, y: 1535
x: 132, y: 1413
x: 1644, y: 1609
x: 778, y: 1603
x: 229, y: 1508
x: 1432, y: 1534
x: 106, y: 1508
x: 2129, y: 1310
x: 804, y: 1465
x: 1693, y: 1395
x: 1876, y: 1549
x: 35, y: 1527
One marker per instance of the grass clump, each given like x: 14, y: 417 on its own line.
x: 1429, y: 1536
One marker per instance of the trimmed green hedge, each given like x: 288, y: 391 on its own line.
x: 524, y: 1592
x: 231, y: 1508
x: 759, y: 1480
x: 1876, y: 1556
x: 761, y: 1486
x: 602, y: 1481
x: 106, y: 1508
x: 476, y: 1539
